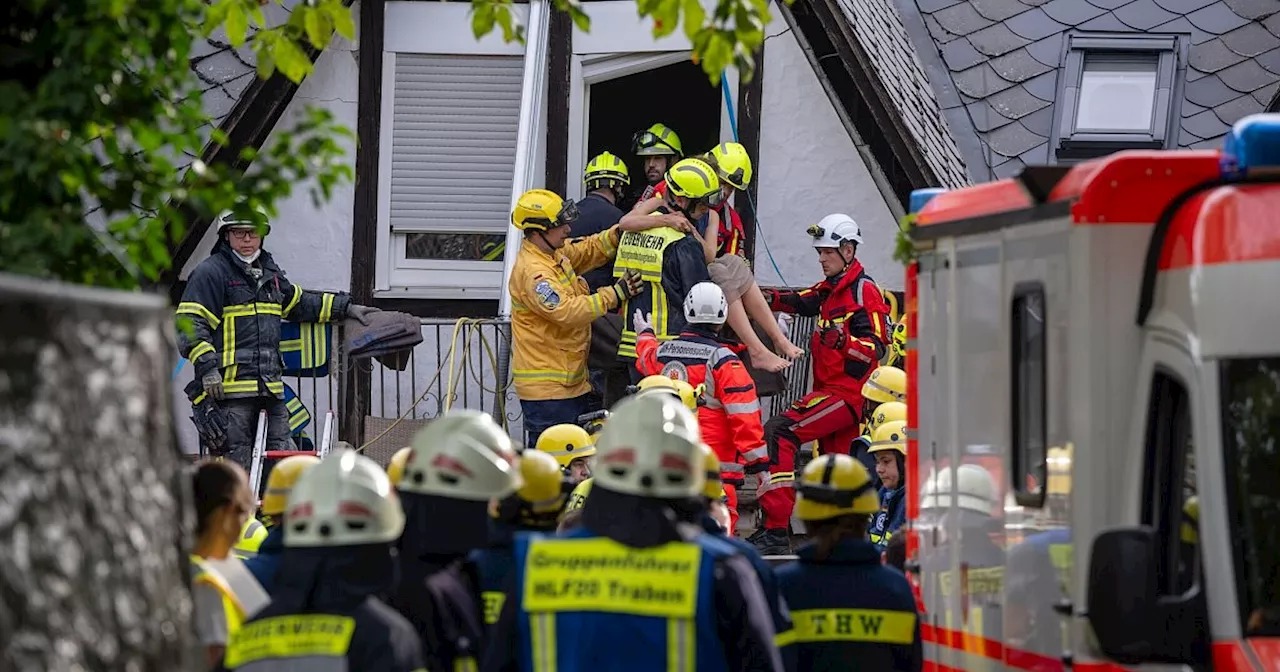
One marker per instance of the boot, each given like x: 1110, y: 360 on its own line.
x: 772, y: 542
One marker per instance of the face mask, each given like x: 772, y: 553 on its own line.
x: 251, y: 258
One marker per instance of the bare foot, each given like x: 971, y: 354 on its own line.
x: 767, y: 361
x: 789, y: 350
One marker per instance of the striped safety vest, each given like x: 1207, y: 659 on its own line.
x: 643, y: 251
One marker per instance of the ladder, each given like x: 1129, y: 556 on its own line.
x: 257, y: 467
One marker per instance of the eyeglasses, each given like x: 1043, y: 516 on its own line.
x: 649, y: 140
x: 243, y: 234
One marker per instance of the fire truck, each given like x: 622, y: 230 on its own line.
x: 1094, y: 466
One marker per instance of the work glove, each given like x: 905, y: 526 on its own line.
x: 211, y: 424
x: 212, y: 384
x: 643, y: 322
x: 360, y: 313
x: 629, y: 285
x: 832, y: 338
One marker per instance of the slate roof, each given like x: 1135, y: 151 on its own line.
x: 993, y: 66
x: 879, y: 29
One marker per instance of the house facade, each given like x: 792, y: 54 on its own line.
x: 854, y: 104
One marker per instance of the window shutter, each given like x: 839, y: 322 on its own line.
x: 453, y: 145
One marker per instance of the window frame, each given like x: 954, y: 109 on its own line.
x: 430, y: 28
x: 1165, y: 469
x: 1017, y: 457
x: 1070, y: 143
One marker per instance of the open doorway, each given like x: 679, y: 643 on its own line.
x: 678, y: 95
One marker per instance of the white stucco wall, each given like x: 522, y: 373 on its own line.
x: 809, y: 168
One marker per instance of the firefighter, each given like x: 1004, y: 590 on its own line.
x: 889, y: 450
x: 552, y: 308
x: 688, y: 395
x: 606, y: 180
x: 223, y: 592
x: 887, y: 384
x: 730, y: 414
x: 851, y: 336
x: 968, y: 524
x: 326, y: 613
x: 845, y: 605
x: 535, y: 507
x: 644, y: 592
x: 459, y: 462
x: 669, y: 261
x: 235, y: 301
x: 705, y: 511
x: 284, y: 475
x: 572, y: 449
x: 889, y: 411
x: 658, y: 147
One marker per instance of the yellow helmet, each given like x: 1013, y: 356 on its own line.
x: 542, y: 478
x: 900, y: 336
x: 890, y: 436
x: 280, y: 482
x: 539, y: 210
x: 694, y: 179
x: 687, y: 393
x: 657, y: 140
x: 733, y: 164
x: 1191, y: 520
x: 395, y: 469
x: 251, y: 536
x: 835, y: 485
x: 605, y: 170
x: 889, y: 411
x: 566, y: 443
x: 714, y: 487
x: 578, y: 497
x: 887, y: 383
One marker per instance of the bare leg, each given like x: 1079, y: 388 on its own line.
x: 761, y: 357
x: 759, y: 311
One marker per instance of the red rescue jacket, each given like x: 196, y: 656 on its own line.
x: 730, y: 419
x: 854, y: 317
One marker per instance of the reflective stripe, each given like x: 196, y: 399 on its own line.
x: 326, y: 307
x: 759, y: 453
x: 493, y: 601
x: 786, y: 638
x: 201, y: 348
x: 712, y: 402
x: 731, y: 468
x: 858, y: 354
x: 820, y: 414
x: 297, y: 296
x: 681, y: 641
x: 467, y: 664
x: 193, y: 308
x: 720, y: 355
x: 298, y: 664
x: 853, y: 625
x: 777, y: 481
x: 231, y: 607
x: 543, y: 628
x: 740, y: 409
x: 877, y: 386
x: 567, y: 377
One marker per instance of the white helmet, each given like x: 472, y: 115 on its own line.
x: 835, y: 229
x: 705, y: 304
x: 229, y: 219
x: 974, y: 489
x: 650, y: 447
x: 345, y: 500
x: 462, y: 454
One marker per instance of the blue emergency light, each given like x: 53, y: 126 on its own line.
x: 921, y: 197
x: 1252, y: 147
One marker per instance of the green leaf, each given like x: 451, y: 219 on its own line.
x: 266, y: 64
x: 342, y: 21
x: 291, y: 60
x: 694, y: 16
x: 319, y: 27
x: 237, y: 23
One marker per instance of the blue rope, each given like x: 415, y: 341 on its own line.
x: 733, y: 125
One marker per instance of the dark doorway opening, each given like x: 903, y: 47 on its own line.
x: 678, y: 95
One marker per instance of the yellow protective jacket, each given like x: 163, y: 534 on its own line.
x: 551, y: 313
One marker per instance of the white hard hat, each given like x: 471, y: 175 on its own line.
x: 462, y: 454
x: 973, y: 486
x: 345, y: 500
x: 650, y: 447
x: 229, y: 219
x: 835, y: 229
x: 705, y: 304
